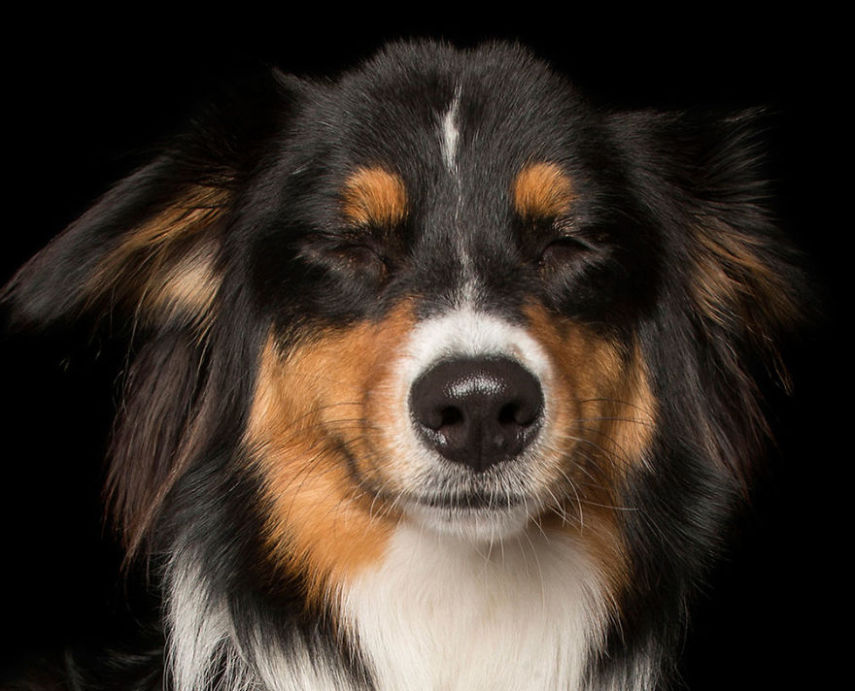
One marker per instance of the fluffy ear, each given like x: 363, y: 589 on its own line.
x: 741, y: 275
x: 744, y: 279
x: 745, y: 282
x: 151, y: 252
x: 149, y: 248
x: 741, y: 292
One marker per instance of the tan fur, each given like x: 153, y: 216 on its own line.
x: 309, y: 405
x: 542, y: 191
x: 374, y: 197
x: 733, y: 282
x: 604, y: 416
x: 165, y: 267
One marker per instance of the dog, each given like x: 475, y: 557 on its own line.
x: 440, y: 376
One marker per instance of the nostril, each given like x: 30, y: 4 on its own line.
x: 477, y: 411
x: 517, y: 413
x: 450, y: 416
x: 508, y: 414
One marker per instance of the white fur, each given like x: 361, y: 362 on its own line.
x: 468, y: 332
x: 450, y: 133
x: 202, y: 641
x: 454, y: 615
x: 449, y: 141
x: 435, y: 614
x: 199, y: 630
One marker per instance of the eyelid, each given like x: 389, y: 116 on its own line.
x: 556, y: 229
x: 575, y: 238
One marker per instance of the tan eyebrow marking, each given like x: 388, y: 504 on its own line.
x: 542, y: 190
x: 374, y: 196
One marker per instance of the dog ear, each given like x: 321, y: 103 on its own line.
x: 741, y: 288
x: 706, y: 178
x: 150, y: 253
x: 744, y: 273
x: 149, y: 249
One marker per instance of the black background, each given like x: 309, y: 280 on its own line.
x: 84, y: 98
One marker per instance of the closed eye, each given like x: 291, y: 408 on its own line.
x: 356, y: 253
x: 564, y: 250
x: 352, y: 254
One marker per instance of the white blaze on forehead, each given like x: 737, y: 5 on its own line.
x: 449, y: 132
x: 449, y: 140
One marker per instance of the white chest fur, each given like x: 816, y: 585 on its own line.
x: 442, y: 614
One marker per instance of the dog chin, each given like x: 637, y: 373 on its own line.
x: 473, y: 524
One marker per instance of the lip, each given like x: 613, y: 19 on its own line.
x: 471, y: 501
x: 473, y: 517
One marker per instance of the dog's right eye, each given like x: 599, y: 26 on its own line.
x: 357, y: 259
x: 354, y: 254
x: 357, y: 256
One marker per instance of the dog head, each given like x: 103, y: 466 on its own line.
x: 443, y: 289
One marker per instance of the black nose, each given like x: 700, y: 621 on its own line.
x: 477, y: 411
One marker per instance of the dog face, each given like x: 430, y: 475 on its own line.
x: 443, y: 292
x: 470, y: 284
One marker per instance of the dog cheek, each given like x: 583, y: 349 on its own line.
x: 601, y: 392
x: 600, y: 432
x: 309, y: 440
x: 367, y: 386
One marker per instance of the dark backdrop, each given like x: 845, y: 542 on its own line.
x: 84, y: 98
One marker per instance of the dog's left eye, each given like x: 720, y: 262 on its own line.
x: 563, y: 251
x: 357, y: 254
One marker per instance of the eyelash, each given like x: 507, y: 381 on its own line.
x: 359, y: 253
x: 563, y: 249
x: 558, y: 242
x: 349, y: 254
